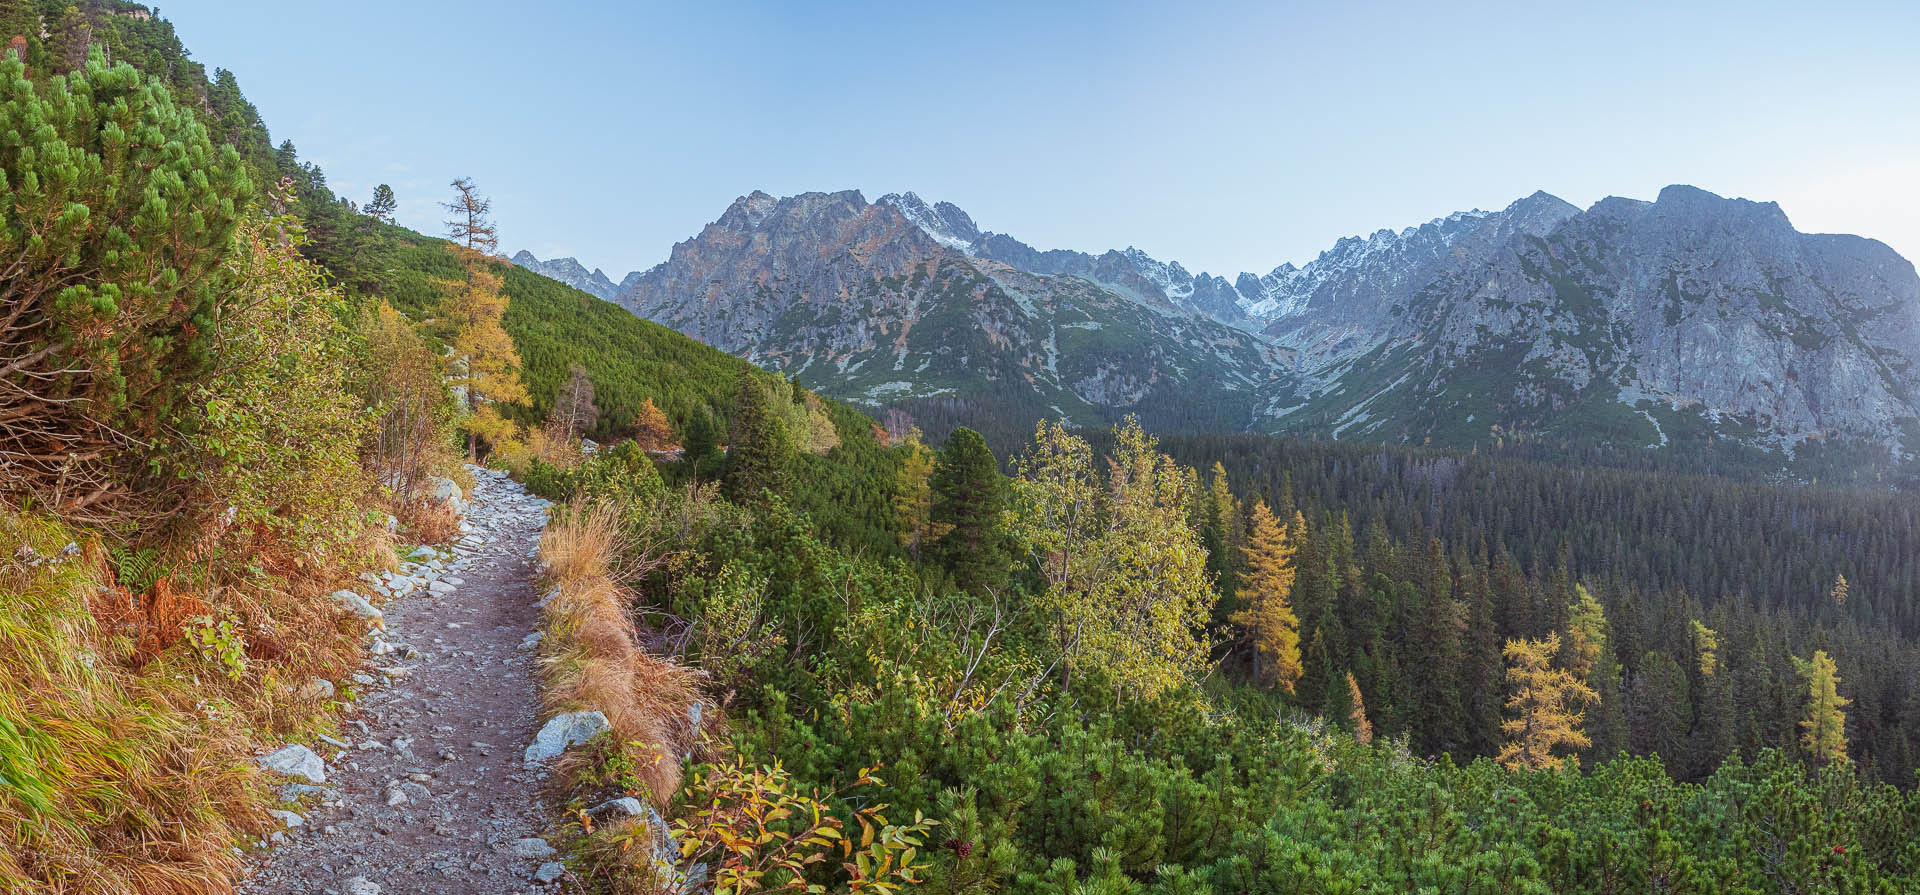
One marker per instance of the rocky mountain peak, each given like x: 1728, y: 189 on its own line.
x: 944, y: 221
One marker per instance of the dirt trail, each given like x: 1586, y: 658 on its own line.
x: 428, y: 793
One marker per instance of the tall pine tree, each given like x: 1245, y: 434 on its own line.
x: 968, y: 497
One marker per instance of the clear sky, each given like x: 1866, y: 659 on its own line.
x: 1226, y: 136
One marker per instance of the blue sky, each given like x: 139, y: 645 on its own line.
x: 1226, y: 136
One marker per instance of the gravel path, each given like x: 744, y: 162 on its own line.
x: 427, y: 793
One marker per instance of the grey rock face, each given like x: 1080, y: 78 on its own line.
x: 890, y: 300
x: 295, y: 761
x: 570, y: 272
x: 563, y: 730
x: 1538, y: 318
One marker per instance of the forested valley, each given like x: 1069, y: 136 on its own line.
x: 835, y: 654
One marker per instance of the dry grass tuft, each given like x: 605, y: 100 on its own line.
x: 592, y: 658
x: 430, y: 521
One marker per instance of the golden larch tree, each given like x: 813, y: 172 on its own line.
x: 1362, y: 728
x: 1266, y: 590
x: 484, y: 365
x: 1824, y: 730
x: 652, y: 428
x: 1545, y: 709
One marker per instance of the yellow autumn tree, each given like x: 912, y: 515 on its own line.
x: 913, y: 499
x: 1824, y: 730
x: 1126, y: 580
x: 1362, y: 728
x: 1266, y: 592
x: 1545, y: 708
x: 651, y: 428
x: 484, y: 366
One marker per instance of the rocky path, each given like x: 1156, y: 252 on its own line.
x: 426, y: 791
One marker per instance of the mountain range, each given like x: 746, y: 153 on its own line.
x: 1689, y: 322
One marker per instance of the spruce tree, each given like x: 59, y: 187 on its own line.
x: 702, y: 439
x: 968, y: 497
x: 760, y: 449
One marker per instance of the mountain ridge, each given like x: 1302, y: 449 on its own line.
x: 1540, y: 319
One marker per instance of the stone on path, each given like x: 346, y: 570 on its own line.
x: 359, y: 885
x: 295, y: 761
x: 550, y: 871
x: 532, y: 848
x: 355, y: 604
x: 563, y: 730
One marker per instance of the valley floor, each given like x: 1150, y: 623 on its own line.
x: 428, y: 794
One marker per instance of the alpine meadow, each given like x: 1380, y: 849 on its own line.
x: 348, y: 546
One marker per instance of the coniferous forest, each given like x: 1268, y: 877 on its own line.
x: 837, y: 655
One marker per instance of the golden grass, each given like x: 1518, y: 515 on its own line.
x: 126, y: 759
x: 591, y: 659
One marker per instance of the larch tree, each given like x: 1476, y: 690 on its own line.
x: 1839, y: 592
x: 1588, y: 653
x: 652, y: 428
x: 913, y: 495
x: 1362, y: 728
x: 968, y: 497
x: 1266, y: 591
x: 1544, y: 709
x: 484, y: 364
x: 1824, y: 729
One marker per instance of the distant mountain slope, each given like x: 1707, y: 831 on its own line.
x: 1681, y: 324
x: 875, y: 306
x: 571, y: 272
x: 1690, y: 319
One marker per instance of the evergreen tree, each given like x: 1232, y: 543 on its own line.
x: 120, y: 216
x: 68, y: 40
x: 760, y: 449
x: 1824, y: 729
x: 1266, y: 588
x: 382, y: 206
x: 968, y: 497
x: 17, y: 17
x: 702, y: 439
x: 1542, y: 713
x: 1660, y: 714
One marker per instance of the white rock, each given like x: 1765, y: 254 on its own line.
x: 300, y: 761
x: 289, y: 818
x: 531, y: 848
x: 626, y: 805
x: 317, y: 688
x: 440, y: 587
x: 359, y: 885
x: 355, y: 604
x: 550, y: 871
x: 563, y: 730
x: 447, y: 491
x: 531, y: 641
